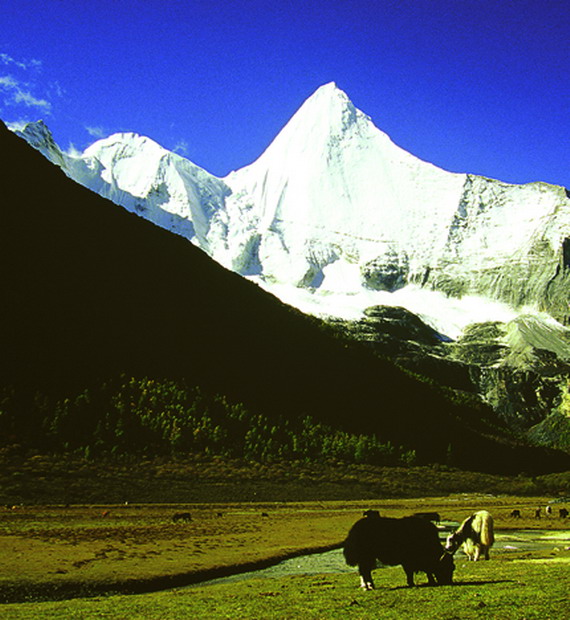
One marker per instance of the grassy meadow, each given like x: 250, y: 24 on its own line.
x: 508, y: 590
x: 133, y: 561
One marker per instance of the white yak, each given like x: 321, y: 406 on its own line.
x: 475, y: 534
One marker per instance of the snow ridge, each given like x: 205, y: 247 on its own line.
x: 334, y: 217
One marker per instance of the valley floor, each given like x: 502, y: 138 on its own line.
x: 53, y: 552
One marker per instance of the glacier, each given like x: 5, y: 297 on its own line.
x: 334, y: 217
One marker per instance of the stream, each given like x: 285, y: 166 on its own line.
x: 333, y: 561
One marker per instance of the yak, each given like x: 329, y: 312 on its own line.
x: 181, y: 516
x: 475, y: 534
x: 411, y: 542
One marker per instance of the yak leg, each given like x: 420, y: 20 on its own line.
x: 476, y: 553
x: 365, y: 570
x: 471, y: 550
x: 409, y: 576
x: 431, y: 579
x: 486, y: 549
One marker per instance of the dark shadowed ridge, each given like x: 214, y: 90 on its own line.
x: 90, y: 291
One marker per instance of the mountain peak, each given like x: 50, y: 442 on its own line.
x: 322, y: 121
x: 330, y: 89
x: 36, y: 133
x: 328, y: 105
x: 40, y: 137
x: 122, y: 140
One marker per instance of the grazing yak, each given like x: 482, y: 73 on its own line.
x: 475, y: 534
x: 411, y: 542
x: 181, y: 516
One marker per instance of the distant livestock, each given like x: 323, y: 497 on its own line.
x: 181, y: 516
x: 537, y: 513
x: 548, y: 511
x: 563, y: 513
x: 371, y: 513
x: 430, y: 516
x: 516, y: 514
x: 411, y: 542
x: 475, y: 534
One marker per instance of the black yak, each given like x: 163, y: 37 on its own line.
x: 412, y: 542
x: 181, y: 516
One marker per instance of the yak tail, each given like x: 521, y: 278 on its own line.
x: 487, y: 531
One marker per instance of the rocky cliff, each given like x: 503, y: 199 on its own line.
x: 521, y: 368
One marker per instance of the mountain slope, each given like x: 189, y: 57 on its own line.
x: 334, y: 217
x: 91, y: 291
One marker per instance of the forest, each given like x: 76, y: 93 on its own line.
x: 129, y: 416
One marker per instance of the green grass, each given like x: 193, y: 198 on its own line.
x: 501, y: 588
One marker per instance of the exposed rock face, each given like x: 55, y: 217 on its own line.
x: 509, y: 243
x: 40, y: 137
x: 388, y: 272
x: 553, y: 430
x: 400, y: 335
x: 520, y: 368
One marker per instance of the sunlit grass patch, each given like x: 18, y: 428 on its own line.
x: 499, y: 589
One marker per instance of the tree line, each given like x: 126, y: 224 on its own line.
x: 151, y: 417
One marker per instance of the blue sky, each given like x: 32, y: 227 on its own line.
x: 471, y: 86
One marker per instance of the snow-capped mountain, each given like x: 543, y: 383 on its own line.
x: 333, y: 200
x: 138, y: 174
x: 94, y: 295
x: 334, y: 217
